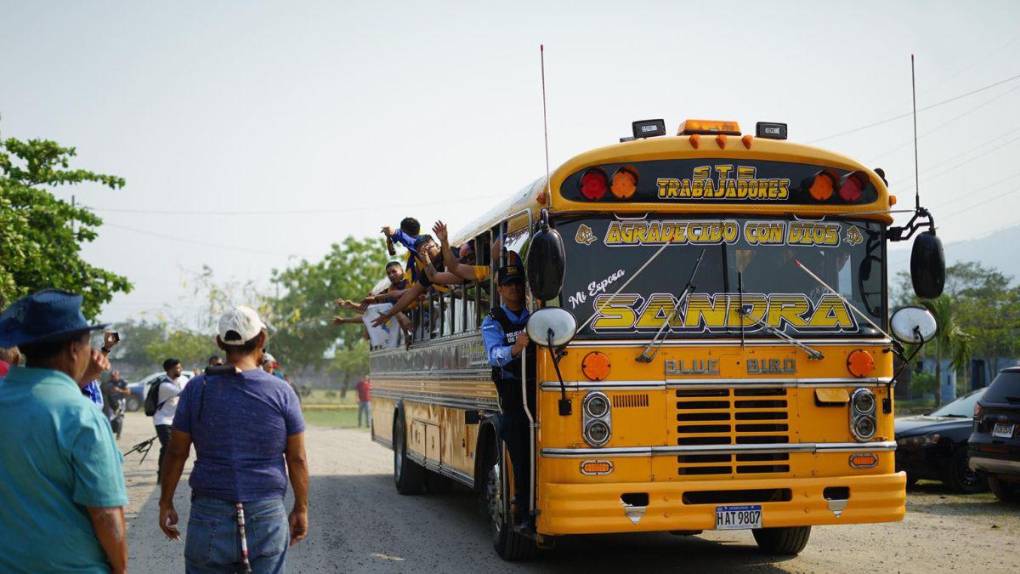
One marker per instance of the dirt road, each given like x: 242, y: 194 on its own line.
x: 360, y: 524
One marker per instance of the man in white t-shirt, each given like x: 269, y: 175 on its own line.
x: 170, y: 388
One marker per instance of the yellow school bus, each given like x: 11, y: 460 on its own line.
x: 727, y: 363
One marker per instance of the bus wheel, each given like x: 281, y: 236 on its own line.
x: 782, y: 541
x: 408, y: 475
x: 510, y: 545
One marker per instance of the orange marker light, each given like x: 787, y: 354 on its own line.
x: 596, y: 467
x: 595, y: 366
x: 860, y: 363
x: 746, y: 140
x: 694, y: 139
x: 709, y: 127
x: 624, y: 182
x: 892, y: 200
x: 822, y: 187
x: 863, y: 460
x: 721, y: 140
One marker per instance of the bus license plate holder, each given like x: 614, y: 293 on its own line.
x: 738, y: 517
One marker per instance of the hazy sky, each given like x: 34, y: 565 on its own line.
x: 330, y: 119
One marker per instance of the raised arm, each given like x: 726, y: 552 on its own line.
x: 409, y: 296
x: 455, y: 270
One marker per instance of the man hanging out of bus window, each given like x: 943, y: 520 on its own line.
x: 427, y: 253
x: 458, y: 269
x: 398, y: 284
x: 406, y: 235
x: 505, y: 340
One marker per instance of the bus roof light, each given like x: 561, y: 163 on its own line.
x: 822, y: 186
x: 689, y: 127
x: 648, y: 128
x: 853, y: 187
x: 770, y: 130
x: 746, y: 140
x: 624, y: 182
x: 594, y: 184
x: 694, y: 139
x: 721, y: 140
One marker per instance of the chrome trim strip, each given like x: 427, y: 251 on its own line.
x: 807, y: 447
x: 443, y: 401
x: 715, y: 383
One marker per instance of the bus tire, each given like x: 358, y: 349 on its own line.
x: 408, y: 476
x: 788, y: 541
x: 509, y: 544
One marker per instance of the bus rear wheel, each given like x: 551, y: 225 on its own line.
x: 787, y: 541
x: 509, y: 544
x: 408, y: 476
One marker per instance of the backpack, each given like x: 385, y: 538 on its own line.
x: 152, y: 403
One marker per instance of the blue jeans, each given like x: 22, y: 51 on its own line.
x: 212, y: 544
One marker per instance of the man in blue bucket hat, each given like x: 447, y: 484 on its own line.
x: 62, y: 491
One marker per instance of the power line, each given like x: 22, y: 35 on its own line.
x: 941, y: 169
x: 313, y: 211
x: 944, y: 124
x: 197, y: 242
x: 971, y: 193
x: 923, y: 109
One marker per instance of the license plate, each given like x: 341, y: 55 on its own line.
x: 1003, y: 430
x: 737, y: 517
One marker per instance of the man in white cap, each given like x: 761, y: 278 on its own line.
x: 248, y: 434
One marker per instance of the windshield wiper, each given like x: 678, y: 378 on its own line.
x: 745, y: 310
x: 648, y: 353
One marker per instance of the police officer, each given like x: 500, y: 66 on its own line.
x: 503, y: 332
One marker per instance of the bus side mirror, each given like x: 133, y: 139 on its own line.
x: 546, y: 263
x: 927, y: 266
x: 913, y: 325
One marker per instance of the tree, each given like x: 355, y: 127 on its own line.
x: 41, y: 235
x: 950, y: 340
x: 302, y: 314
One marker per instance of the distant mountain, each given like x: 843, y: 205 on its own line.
x: 1000, y: 250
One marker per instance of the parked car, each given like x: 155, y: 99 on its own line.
x: 995, y: 443
x: 934, y: 446
x: 138, y: 390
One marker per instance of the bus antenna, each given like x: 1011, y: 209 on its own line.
x: 545, y: 124
x: 917, y: 181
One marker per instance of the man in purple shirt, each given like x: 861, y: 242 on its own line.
x: 248, y: 434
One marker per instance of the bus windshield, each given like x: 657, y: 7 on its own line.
x: 749, y: 282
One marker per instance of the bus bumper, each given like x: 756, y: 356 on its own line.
x: 691, y: 505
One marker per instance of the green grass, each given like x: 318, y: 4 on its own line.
x: 346, y: 418
x: 331, y: 397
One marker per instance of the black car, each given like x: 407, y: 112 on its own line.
x: 934, y: 446
x: 995, y: 444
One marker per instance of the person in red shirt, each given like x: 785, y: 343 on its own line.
x: 364, y: 388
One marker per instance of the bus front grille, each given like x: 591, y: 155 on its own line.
x: 720, y: 417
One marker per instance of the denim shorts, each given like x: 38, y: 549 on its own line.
x: 212, y: 543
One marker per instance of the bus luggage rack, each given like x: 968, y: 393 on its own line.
x: 719, y: 417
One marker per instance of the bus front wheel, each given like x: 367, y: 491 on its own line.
x: 509, y: 544
x: 782, y: 541
x: 408, y: 475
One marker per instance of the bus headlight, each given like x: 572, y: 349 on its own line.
x: 597, y: 426
x: 596, y: 432
x: 862, y: 415
x: 596, y: 405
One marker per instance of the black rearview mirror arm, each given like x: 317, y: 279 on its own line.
x: 564, y: 403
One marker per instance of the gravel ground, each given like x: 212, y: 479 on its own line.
x: 358, y: 523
